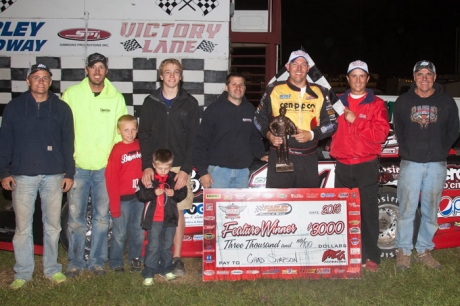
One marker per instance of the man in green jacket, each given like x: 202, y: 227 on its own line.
x: 96, y: 105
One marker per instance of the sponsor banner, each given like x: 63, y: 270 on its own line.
x: 60, y: 37
x: 281, y: 233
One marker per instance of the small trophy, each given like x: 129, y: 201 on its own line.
x: 282, y: 126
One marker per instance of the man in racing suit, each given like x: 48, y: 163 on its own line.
x: 309, y: 107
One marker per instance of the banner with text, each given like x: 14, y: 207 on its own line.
x: 281, y: 233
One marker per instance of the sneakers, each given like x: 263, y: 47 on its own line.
x: 119, y: 270
x: 178, y: 267
x: 402, y: 260
x: 371, y: 266
x: 136, y: 265
x: 72, y: 273
x: 148, y: 282
x: 98, y: 271
x: 58, y: 277
x: 169, y: 276
x: 428, y: 260
x: 18, y: 283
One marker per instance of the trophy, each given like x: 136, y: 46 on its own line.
x: 282, y: 126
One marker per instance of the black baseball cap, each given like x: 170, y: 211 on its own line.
x: 37, y: 67
x: 96, y: 57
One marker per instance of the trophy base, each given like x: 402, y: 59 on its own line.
x: 284, y: 167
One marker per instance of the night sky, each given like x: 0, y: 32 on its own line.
x: 391, y: 36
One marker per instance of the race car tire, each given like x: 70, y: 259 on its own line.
x: 388, y: 217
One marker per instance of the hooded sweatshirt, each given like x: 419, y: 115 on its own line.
x: 95, y: 119
x: 37, y: 138
x: 426, y: 128
x: 227, y: 136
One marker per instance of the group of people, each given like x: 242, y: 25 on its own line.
x: 87, y: 144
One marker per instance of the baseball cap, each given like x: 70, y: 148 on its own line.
x: 424, y: 64
x: 296, y: 54
x: 96, y: 57
x: 37, y: 67
x: 358, y: 64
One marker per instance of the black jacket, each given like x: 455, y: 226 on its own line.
x: 37, y: 138
x: 148, y: 197
x: 426, y: 128
x: 227, y: 136
x: 173, y: 128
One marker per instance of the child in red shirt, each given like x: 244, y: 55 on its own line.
x: 124, y: 168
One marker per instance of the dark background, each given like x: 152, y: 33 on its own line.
x: 391, y: 36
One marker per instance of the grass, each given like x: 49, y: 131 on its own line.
x: 418, y: 286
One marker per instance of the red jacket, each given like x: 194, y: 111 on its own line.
x: 123, y: 171
x: 361, y: 141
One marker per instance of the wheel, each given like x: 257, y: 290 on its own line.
x: 63, y: 236
x: 388, y: 218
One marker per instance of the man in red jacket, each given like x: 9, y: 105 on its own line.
x: 356, y: 145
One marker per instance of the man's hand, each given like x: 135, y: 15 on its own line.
x: 147, y: 177
x: 264, y: 158
x: 8, y: 183
x: 349, y: 115
x: 275, y: 140
x: 206, y: 181
x: 302, y: 136
x: 66, y: 184
x: 181, y: 179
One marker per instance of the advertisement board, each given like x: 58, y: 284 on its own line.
x: 281, y: 233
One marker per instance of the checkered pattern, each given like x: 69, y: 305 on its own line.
x: 206, y: 5
x: 6, y: 4
x: 131, y: 45
x: 313, y: 76
x: 168, y: 5
x: 135, y: 78
x: 206, y: 46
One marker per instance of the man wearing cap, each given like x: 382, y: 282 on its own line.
x: 36, y: 155
x: 356, y: 146
x: 426, y: 125
x: 96, y: 105
x: 309, y: 107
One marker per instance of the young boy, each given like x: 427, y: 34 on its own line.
x: 123, y: 170
x: 160, y: 217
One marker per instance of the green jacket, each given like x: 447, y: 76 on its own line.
x: 95, y: 121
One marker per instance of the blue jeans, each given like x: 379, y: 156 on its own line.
x: 24, y: 196
x: 229, y: 178
x: 85, y: 180
x: 158, y: 253
x: 425, y: 182
x: 128, y: 222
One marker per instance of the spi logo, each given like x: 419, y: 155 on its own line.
x: 449, y: 207
x: 84, y: 34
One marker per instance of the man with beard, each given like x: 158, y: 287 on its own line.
x: 96, y: 105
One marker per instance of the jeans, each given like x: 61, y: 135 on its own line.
x: 158, y: 253
x: 85, y: 180
x: 24, y: 196
x: 424, y: 181
x: 128, y: 222
x: 229, y: 178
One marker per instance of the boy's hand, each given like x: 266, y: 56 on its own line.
x: 159, y: 191
x: 169, y: 192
